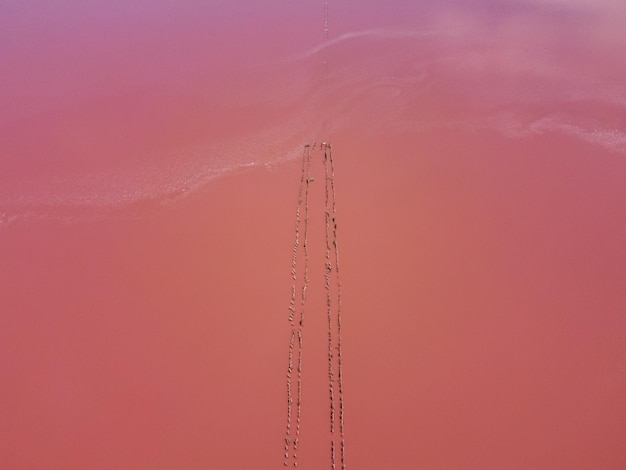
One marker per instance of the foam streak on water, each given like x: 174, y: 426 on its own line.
x: 122, y: 143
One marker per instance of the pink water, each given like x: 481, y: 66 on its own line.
x: 149, y: 166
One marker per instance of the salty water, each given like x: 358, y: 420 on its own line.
x: 149, y: 168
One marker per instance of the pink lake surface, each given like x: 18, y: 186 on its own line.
x: 149, y: 166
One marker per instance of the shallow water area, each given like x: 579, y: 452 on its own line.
x: 150, y: 156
